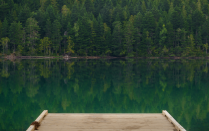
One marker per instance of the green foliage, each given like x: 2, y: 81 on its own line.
x: 5, y: 28
x: 45, y: 45
x: 117, y: 45
x: 4, y: 43
x: 16, y: 34
x: 206, y: 47
x: 32, y: 34
x: 163, y: 36
x: 169, y: 23
x: 70, y: 46
x: 65, y: 10
x: 0, y: 29
x: 56, y: 36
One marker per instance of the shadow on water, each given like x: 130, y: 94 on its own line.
x: 28, y: 87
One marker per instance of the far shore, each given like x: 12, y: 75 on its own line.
x: 94, y: 57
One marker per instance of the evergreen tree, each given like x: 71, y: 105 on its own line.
x: 129, y: 37
x: 89, y: 6
x: 0, y: 29
x: 149, y: 22
x: 51, y: 13
x: 107, y: 27
x: 15, y: 34
x: 163, y: 35
x: 56, y: 36
x: 48, y: 29
x: 32, y: 33
x: 176, y: 19
x: 4, y: 43
x: 138, y: 32
x: 100, y: 32
x: 117, y: 44
x: 108, y: 48
x: 24, y: 14
x: 5, y: 28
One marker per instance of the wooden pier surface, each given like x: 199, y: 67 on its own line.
x: 106, y: 122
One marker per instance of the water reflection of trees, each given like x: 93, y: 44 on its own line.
x: 121, y: 86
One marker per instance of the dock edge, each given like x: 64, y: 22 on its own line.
x: 173, y: 121
x: 39, y: 119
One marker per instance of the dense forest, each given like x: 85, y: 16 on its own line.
x: 104, y: 27
x: 104, y: 86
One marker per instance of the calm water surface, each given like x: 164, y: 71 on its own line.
x: 28, y: 87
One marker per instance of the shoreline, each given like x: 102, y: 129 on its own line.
x: 95, y: 57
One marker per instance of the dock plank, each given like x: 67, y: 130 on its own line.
x: 105, y: 122
x: 51, y: 129
x: 111, y: 120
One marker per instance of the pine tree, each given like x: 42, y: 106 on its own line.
x: 48, y: 28
x: 149, y: 22
x: 75, y: 13
x: 129, y: 37
x: 4, y: 42
x: 176, y: 19
x: 56, y: 36
x: 143, y: 7
x: 54, y: 4
x: 89, y: 6
x: 65, y: 10
x: 138, y: 32
x: 24, y: 14
x: 15, y: 34
x: 163, y: 35
x: 5, y: 28
x: 51, y: 13
x: 117, y: 44
x: 45, y: 45
x: 32, y: 33
x: 107, y: 40
x: 70, y: 46
x: 206, y: 47
x: 0, y: 29
x: 99, y: 33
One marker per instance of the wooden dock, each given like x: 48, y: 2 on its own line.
x: 105, y: 122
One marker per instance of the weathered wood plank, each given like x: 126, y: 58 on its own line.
x: 173, y: 121
x: 106, y: 120
x: 39, y: 119
x: 109, y: 126
x: 108, y: 114
x: 122, y: 116
x: 41, y: 116
x: 51, y: 129
x: 31, y: 128
x: 105, y: 125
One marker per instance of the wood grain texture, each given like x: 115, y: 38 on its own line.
x: 31, y: 128
x: 41, y: 116
x: 105, y: 122
x: 173, y: 121
x: 39, y: 120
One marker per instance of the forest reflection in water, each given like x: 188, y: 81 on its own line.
x: 28, y: 87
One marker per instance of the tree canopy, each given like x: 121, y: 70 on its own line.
x: 134, y: 28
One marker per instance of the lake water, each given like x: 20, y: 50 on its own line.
x: 27, y: 87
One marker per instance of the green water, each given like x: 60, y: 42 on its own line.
x: 27, y: 87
